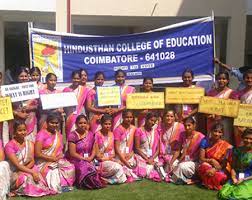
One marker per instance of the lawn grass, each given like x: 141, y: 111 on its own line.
x: 140, y: 190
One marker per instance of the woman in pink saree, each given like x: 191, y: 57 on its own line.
x: 184, y: 111
x: 25, y: 110
x: 81, y: 95
x: 245, y: 96
x: 96, y: 112
x: 5, y: 174
x: 120, y: 76
x: 222, y: 92
x: 36, y: 77
x: 169, y: 132
x: 147, y: 149
x: 124, y: 140
x: 56, y: 170
x: 185, y: 160
x: 51, y: 80
x: 110, y: 170
x: 25, y: 179
x: 81, y: 153
x: 215, y: 159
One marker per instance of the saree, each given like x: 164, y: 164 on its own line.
x: 149, y: 142
x: 125, y: 90
x: 73, y: 112
x: 243, y: 165
x: 126, y: 139
x: 245, y: 96
x: 185, y: 170
x: 5, y: 175
x: 57, y: 174
x: 110, y: 170
x: 30, y: 121
x: 94, y: 118
x: 85, y: 172
x: 22, y: 183
x: 226, y: 121
x: 184, y: 109
x: 220, y: 151
x: 169, y: 139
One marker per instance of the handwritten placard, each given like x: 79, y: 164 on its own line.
x: 58, y: 100
x: 182, y: 95
x: 109, y: 96
x: 244, y: 116
x: 153, y: 100
x: 217, y: 106
x: 5, y: 109
x: 21, y: 91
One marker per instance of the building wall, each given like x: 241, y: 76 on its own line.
x: 118, y: 13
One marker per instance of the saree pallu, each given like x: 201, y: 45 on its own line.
x: 125, y: 90
x: 94, y: 118
x: 110, y: 170
x: 185, y: 170
x: 86, y: 174
x: 125, y: 137
x: 22, y: 183
x: 226, y: 121
x: 243, y: 190
x: 5, y: 175
x: 148, y: 141
x: 57, y: 174
x: 219, y: 151
x: 72, y: 113
x: 169, y: 141
x: 31, y: 121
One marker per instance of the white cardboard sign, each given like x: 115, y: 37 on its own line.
x: 58, y: 100
x: 20, y: 91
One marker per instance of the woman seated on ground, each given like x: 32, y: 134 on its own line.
x: 5, y: 174
x: 185, y: 160
x: 147, y: 148
x: 215, y: 159
x: 111, y: 171
x: 124, y: 141
x: 25, y: 179
x: 169, y: 132
x: 240, y: 185
x: 80, y: 144
x: 57, y: 171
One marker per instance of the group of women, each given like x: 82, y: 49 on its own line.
x: 106, y: 145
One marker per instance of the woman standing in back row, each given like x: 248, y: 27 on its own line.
x: 125, y: 90
x: 81, y: 93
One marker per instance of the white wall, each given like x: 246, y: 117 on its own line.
x: 29, y: 5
